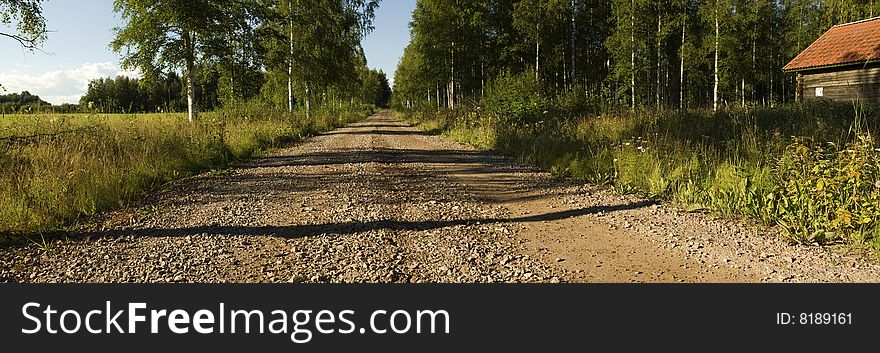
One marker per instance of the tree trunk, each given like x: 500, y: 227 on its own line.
x: 290, y: 67
x: 754, y: 78
x: 308, y: 102
x: 189, y: 41
x: 438, y: 97
x: 659, y: 66
x: 681, y: 74
x: 574, y: 8
x: 482, y: 79
x: 632, y: 59
x: 537, y: 60
x: 717, y: 43
x: 772, y: 104
x: 451, y: 92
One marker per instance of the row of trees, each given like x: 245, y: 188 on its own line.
x: 290, y: 48
x: 675, y: 53
x: 21, y: 102
x: 167, y: 92
x: 200, y: 54
x: 127, y: 95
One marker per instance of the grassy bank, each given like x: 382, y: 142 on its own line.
x: 813, y: 169
x: 60, y: 168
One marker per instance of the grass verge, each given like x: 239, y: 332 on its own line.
x: 813, y: 169
x: 58, y: 169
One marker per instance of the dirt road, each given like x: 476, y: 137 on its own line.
x: 380, y: 201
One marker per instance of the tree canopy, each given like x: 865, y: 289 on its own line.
x: 26, y: 16
x: 236, y: 50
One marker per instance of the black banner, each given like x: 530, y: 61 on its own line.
x: 438, y: 317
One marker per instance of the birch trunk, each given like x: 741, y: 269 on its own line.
x: 290, y: 67
x: 189, y: 41
x: 681, y: 73
x: 451, y: 91
x: 632, y: 58
x: 537, y: 60
x: 573, y: 78
x: 717, y: 40
x: 308, y: 102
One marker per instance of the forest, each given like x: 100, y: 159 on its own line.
x: 20, y: 102
x: 619, y: 53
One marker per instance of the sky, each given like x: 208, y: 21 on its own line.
x: 81, y: 31
x: 384, y: 46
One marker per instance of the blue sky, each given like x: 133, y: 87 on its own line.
x: 83, y: 29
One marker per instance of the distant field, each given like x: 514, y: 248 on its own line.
x: 14, y: 124
x: 59, y: 168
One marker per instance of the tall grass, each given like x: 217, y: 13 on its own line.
x: 759, y: 162
x: 59, y: 168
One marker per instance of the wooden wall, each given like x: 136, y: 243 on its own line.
x: 845, y: 84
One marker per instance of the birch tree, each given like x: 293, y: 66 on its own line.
x: 158, y: 35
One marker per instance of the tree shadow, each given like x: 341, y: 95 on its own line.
x: 349, y: 228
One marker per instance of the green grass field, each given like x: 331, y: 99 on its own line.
x: 60, y: 168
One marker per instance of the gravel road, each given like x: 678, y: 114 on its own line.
x: 380, y: 201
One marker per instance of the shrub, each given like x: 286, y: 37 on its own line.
x: 828, y: 193
x: 516, y: 99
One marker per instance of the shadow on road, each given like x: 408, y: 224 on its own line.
x: 348, y: 228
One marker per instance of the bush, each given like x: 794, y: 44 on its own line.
x: 574, y: 102
x: 516, y: 99
x: 827, y: 193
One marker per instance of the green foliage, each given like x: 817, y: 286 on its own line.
x: 515, y: 99
x: 294, y: 43
x: 27, y: 18
x: 635, y: 53
x: 23, y: 102
x: 828, y: 192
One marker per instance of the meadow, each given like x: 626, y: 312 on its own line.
x: 813, y: 169
x: 57, y: 169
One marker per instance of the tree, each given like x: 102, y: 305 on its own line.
x: 625, y: 45
x: 625, y: 52
x: 314, y: 42
x: 175, y: 34
x: 27, y: 18
x: 383, y: 91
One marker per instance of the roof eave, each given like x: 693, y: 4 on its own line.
x: 811, y: 68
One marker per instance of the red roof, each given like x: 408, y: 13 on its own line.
x: 851, y: 43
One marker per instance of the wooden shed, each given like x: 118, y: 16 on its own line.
x: 843, y: 64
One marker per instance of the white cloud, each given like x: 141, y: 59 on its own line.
x: 61, y: 86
